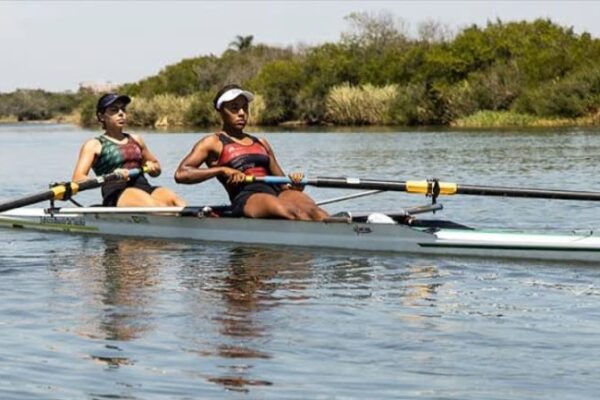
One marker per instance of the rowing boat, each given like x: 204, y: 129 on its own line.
x: 396, y: 233
x: 399, y: 232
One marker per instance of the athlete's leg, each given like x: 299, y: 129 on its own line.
x: 304, y: 203
x: 133, y: 197
x: 263, y: 205
x: 167, y: 197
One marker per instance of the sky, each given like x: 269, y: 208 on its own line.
x: 56, y: 45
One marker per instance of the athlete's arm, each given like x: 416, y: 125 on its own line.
x: 148, y: 158
x: 88, y: 153
x: 189, y: 170
x: 275, y: 168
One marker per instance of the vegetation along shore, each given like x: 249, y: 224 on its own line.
x: 503, y: 74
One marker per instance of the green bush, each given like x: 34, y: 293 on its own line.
x: 87, y: 112
x: 201, y: 112
x: 279, y: 83
x: 496, y: 87
x: 573, y: 96
x: 422, y: 104
x: 36, y: 105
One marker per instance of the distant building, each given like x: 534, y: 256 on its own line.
x: 99, y: 87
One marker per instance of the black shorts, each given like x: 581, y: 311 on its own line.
x: 238, y: 202
x: 113, y: 190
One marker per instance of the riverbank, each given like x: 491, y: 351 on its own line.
x: 479, y: 120
x: 507, y: 119
x: 68, y: 119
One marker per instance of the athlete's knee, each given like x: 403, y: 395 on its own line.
x: 281, y: 210
x: 300, y: 214
x: 317, y: 213
x: 175, y: 201
x: 166, y: 198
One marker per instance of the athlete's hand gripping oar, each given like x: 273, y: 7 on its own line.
x: 63, y: 191
x: 433, y: 187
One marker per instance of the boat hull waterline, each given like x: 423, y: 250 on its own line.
x: 400, y: 238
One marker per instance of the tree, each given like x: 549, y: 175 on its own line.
x: 242, y: 43
x: 377, y: 30
x: 431, y: 31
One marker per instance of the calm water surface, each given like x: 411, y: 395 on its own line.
x: 97, y: 318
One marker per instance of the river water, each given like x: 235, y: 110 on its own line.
x: 86, y: 317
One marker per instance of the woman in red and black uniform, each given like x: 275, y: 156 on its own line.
x: 231, y: 154
x: 117, y: 151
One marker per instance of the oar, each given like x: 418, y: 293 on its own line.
x: 348, y: 197
x: 433, y: 187
x: 58, y: 191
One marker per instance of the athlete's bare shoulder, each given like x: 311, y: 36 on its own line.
x: 92, y: 145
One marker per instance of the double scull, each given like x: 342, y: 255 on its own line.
x: 399, y: 232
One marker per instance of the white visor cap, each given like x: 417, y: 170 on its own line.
x: 233, y: 94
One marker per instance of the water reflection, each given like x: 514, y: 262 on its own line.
x: 131, y: 271
x: 422, y: 285
x: 253, y: 285
x: 230, y: 304
x: 117, y: 285
x: 258, y: 286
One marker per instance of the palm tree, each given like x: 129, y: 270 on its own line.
x: 242, y: 42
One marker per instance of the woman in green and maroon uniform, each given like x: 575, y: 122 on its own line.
x: 117, y: 151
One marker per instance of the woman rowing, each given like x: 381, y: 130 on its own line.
x: 231, y: 154
x: 117, y: 151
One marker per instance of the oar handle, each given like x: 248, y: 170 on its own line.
x: 131, y: 173
x: 95, y: 182
x: 134, y: 172
x: 274, y: 180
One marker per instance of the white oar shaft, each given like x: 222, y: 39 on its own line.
x: 348, y: 197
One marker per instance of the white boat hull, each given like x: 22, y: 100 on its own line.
x: 353, y: 236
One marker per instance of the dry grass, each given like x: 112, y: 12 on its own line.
x: 169, y: 111
x: 161, y: 111
x: 257, y: 109
x: 9, y: 119
x: 360, y: 105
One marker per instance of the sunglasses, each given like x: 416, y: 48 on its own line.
x: 115, y: 109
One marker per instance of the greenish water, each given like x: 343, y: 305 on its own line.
x: 90, y: 317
